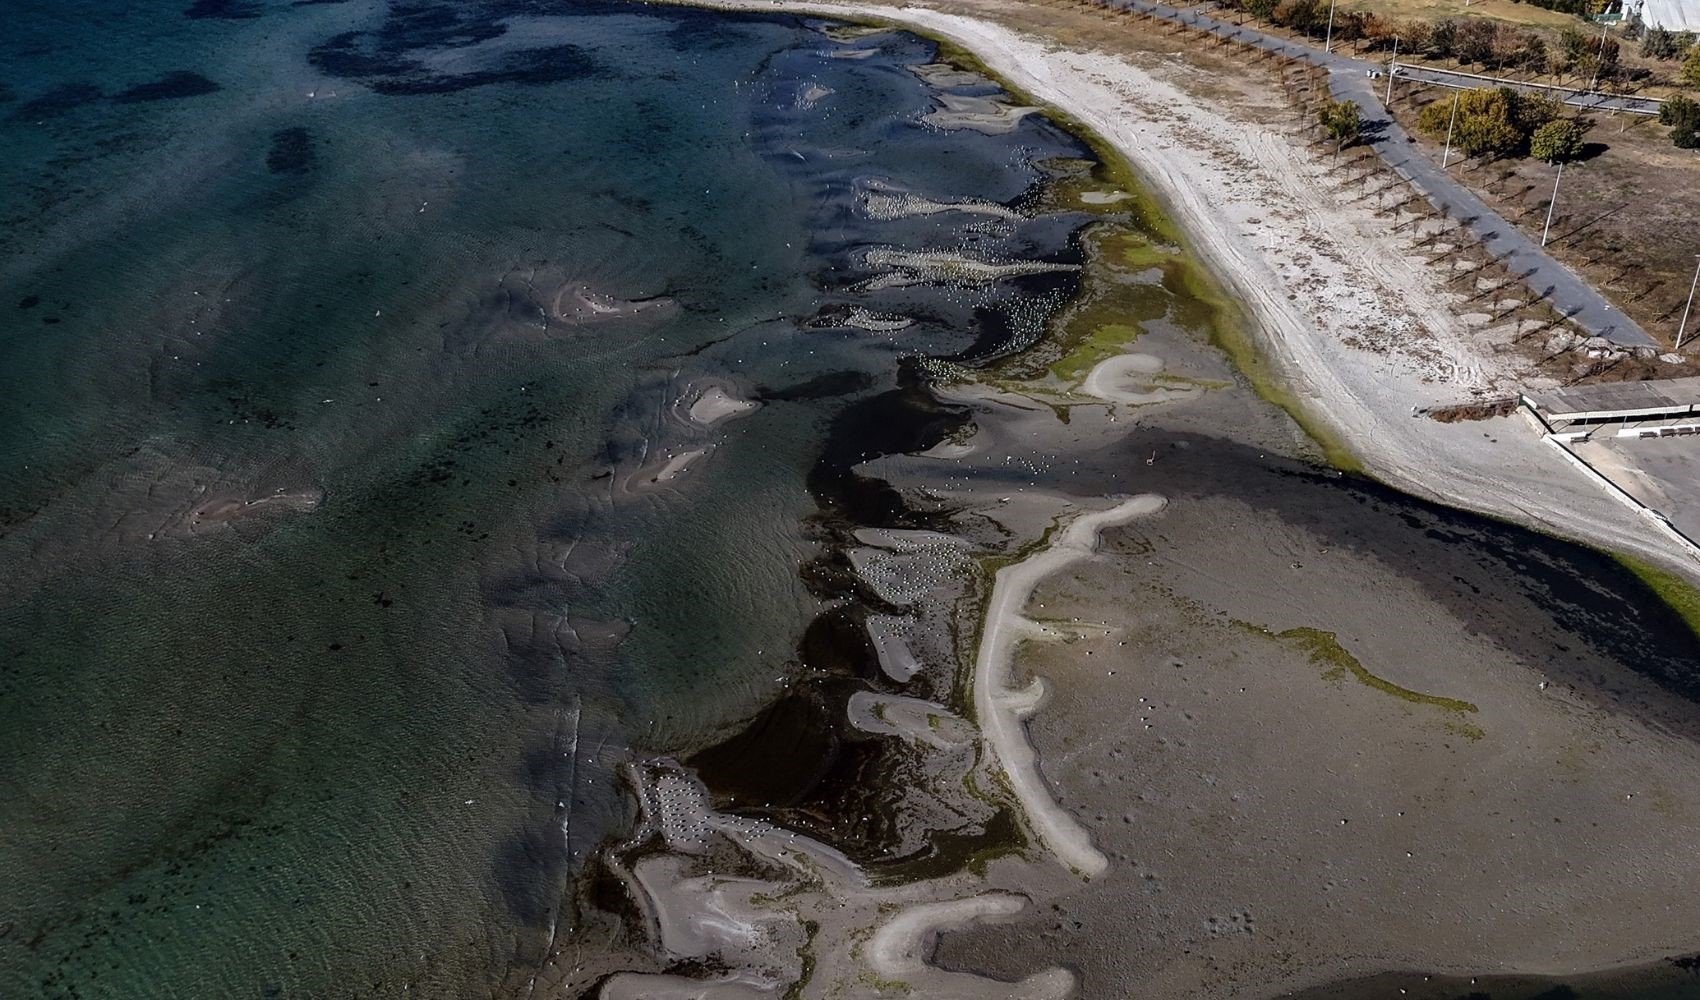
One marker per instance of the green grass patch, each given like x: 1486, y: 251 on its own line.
x: 1233, y: 341
x: 1464, y: 730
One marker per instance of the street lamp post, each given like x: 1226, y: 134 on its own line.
x: 1599, y: 58
x: 1449, y: 123
x: 1686, y: 309
x: 1552, y: 204
x: 1328, y: 40
x: 1392, y: 67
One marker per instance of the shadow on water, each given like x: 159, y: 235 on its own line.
x: 58, y: 101
x: 223, y: 10
x: 909, y: 418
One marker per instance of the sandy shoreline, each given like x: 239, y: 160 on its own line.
x: 1321, y: 277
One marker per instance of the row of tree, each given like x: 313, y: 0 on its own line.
x: 1669, y: 49
x: 1663, y: 43
x: 1472, y: 41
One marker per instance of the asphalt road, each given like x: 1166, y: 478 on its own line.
x: 1586, y: 100
x: 1350, y: 79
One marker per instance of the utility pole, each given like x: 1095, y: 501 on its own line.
x: 1456, y: 94
x: 1686, y: 309
x: 1328, y: 40
x: 1552, y: 204
x: 1392, y: 67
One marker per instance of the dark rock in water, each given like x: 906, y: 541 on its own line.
x: 29, y: 302
x: 173, y: 85
x: 223, y: 10
x: 57, y: 101
x: 291, y: 152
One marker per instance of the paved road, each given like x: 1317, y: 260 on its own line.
x: 1349, y: 79
x: 1586, y: 100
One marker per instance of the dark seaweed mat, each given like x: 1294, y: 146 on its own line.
x: 172, y: 86
x: 291, y: 152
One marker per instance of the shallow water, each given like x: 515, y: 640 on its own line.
x: 350, y: 539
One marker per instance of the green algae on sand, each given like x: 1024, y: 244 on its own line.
x: 1324, y: 650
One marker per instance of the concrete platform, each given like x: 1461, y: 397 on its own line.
x: 1651, y: 409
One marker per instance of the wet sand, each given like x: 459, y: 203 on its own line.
x: 1260, y: 728
x: 1303, y: 765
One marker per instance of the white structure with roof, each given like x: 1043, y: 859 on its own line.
x: 1651, y: 409
x: 1677, y: 15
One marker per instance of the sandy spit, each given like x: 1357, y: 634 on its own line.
x: 1000, y: 709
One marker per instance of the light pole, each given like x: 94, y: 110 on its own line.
x: 1392, y: 67
x: 1449, y: 123
x: 1685, y: 309
x: 1328, y: 40
x: 1552, y: 204
x: 1599, y: 57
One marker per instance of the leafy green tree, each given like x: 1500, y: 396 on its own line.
x: 1691, y: 66
x: 1634, y: 26
x: 1473, y: 40
x: 1559, y: 140
x: 1660, y: 43
x: 1531, y: 55
x: 1417, y: 36
x: 1260, y: 9
x: 1486, y: 121
x: 1303, y: 16
x: 1531, y: 111
x: 1572, y: 46
x: 1602, y: 57
x: 1442, y: 39
x: 1343, y: 122
x: 1682, y: 114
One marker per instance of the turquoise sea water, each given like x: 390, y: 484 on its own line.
x: 358, y: 736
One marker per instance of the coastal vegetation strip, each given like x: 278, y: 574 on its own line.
x: 1678, y: 594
